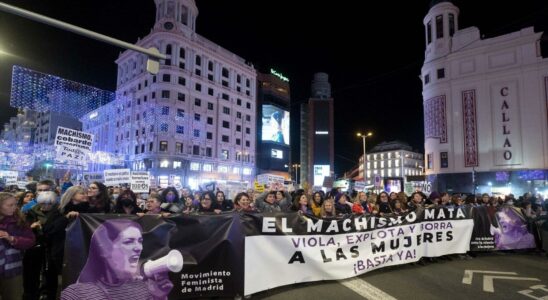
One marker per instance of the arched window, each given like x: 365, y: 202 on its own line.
x: 168, y: 49
x: 184, y: 15
x: 451, y: 24
x: 439, y: 26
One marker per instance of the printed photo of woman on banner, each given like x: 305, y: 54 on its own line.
x: 114, y: 269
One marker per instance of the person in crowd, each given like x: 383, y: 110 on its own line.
x: 283, y: 198
x: 15, y: 237
x: 34, y: 260
x: 170, y: 200
x: 301, y: 205
x: 456, y: 200
x: 24, y: 199
x: 371, y: 206
x: 357, y: 207
x: 66, y: 182
x: 384, y: 204
x: 266, y: 202
x: 188, y: 206
x: 152, y: 207
x: 393, y: 197
x: 445, y: 199
x: 98, y: 198
x: 242, y: 203
x: 222, y: 202
x: 126, y: 203
x: 509, y: 199
x: 328, y: 210
x: 316, y: 204
x: 208, y: 204
x: 73, y: 202
x: 470, y: 200
x: 42, y: 186
x: 112, y: 269
x: 417, y: 201
x: 485, y: 200
x: 342, y: 205
x: 399, y: 208
x: 433, y: 200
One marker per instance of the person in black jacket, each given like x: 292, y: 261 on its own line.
x: 126, y: 203
x: 73, y: 203
x: 223, y: 203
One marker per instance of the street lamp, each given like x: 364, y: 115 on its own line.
x: 364, y: 136
x: 296, y: 167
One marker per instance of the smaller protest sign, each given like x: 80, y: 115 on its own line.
x: 116, y: 176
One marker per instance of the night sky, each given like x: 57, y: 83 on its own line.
x: 372, y: 50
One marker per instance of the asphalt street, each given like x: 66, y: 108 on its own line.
x: 524, y: 276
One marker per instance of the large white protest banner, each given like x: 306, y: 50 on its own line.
x: 114, y: 177
x: 140, y: 182
x: 72, y: 146
x: 309, y: 249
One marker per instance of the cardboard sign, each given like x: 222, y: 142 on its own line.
x: 140, y: 182
x: 72, y: 146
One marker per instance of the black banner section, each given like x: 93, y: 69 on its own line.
x: 110, y: 255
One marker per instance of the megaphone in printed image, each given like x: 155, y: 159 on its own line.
x: 172, y: 262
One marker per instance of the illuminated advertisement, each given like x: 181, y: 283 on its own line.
x: 320, y: 172
x: 392, y: 185
x: 275, y: 125
x: 279, y: 154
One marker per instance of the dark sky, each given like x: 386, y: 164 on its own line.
x: 372, y: 51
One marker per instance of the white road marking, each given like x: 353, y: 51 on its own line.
x: 468, y: 274
x: 488, y: 281
x: 365, y: 289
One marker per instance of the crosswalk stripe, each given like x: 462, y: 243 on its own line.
x: 365, y: 289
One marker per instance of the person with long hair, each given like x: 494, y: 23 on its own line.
x: 112, y: 269
x: 15, y: 237
x: 170, y: 200
x: 25, y: 198
x: 223, y: 203
x: 301, y: 204
x: 316, y: 204
x: 126, y: 203
x: 207, y: 203
x: 328, y: 209
x: 242, y: 203
x: 99, y: 200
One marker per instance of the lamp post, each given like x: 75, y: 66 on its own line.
x: 296, y: 167
x: 364, y: 136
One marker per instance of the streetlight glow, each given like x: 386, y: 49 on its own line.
x: 364, y: 136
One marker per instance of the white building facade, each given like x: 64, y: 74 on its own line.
x: 485, y: 107
x: 192, y: 122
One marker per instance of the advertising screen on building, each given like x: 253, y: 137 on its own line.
x: 320, y: 172
x: 279, y: 154
x: 275, y: 125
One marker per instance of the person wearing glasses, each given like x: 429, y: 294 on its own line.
x: 207, y: 203
x: 98, y: 198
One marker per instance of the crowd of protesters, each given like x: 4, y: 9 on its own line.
x: 33, y: 221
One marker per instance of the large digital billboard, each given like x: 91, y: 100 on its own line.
x: 275, y: 125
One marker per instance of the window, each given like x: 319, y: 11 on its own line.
x: 153, y: 96
x: 223, y: 169
x: 194, y: 166
x: 137, y: 149
x: 197, y: 133
x: 179, y: 148
x: 210, y: 91
x: 180, y: 113
x: 150, y: 146
x: 197, y: 117
x: 143, y: 148
x: 429, y: 161
x: 225, y: 139
x: 238, y: 128
x: 197, y: 102
x: 182, y: 53
x: 182, y: 81
x: 238, y: 141
x: 247, y: 143
x: 225, y: 72
x: 165, y: 94
x: 164, y: 127
x: 247, y: 83
x: 444, y: 161
x: 209, y: 120
x: 441, y: 73
x: 177, y: 164
x: 226, y: 124
x: 168, y: 49
x: 439, y: 26
x: 180, y: 96
x: 248, y: 130
x: 429, y: 32
x: 239, y: 102
x: 164, y: 164
x: 224, y: 154
x: 209, y: 135
x: 198, y: 87
x: 166, y: 78
x: 209, y: 153
x: 198, y: 72
x: 248, y: 105
x: 451, y: 24
x: 153, y: 80
x: 426, y: 79
x: 248, y: 118
x: 210, y: 106
x: 165, y: 110
x: 195, y: 150
x: 198, y: 60
x: 238, y: 78
x: 226, y: 110
x: 238, y: 115
x: 210, y: 66
x: 208, y: 167
x: 180, y: 129
x: 163, y: 146
x: 224, y: 83
x: 225, y: 96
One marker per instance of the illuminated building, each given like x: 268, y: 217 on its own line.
x: 317, y: 135
x: 192, y: 122
x: 273, y: 143
x: 485, y: 107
